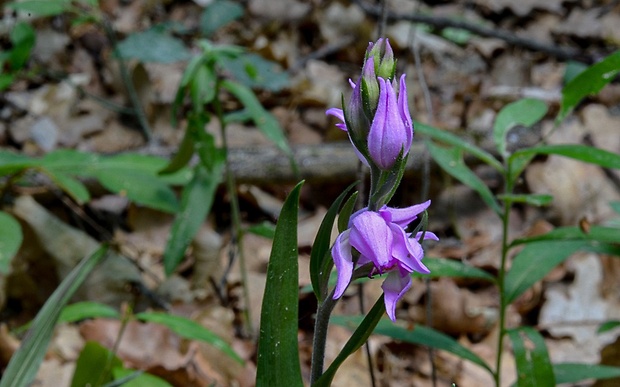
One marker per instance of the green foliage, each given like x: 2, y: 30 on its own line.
x: 525, y: 112
x: 422, y: 335
x: 196, y: 203
x: 189, y: 329
x: 86, y: 309
x: 576, y: 372
x: 363, y: 330
x: 218, y: 14
x: 533, y: 365
x: 137, y: 378
x: 319, y: 256
x: 264, y: 120
x: 153, y: 46
x: 451, y: 161
x: 588, y: 82
x: 22, y: 38
x: 94, y: 365
x: 24, y: 363
x: 128, y: 174
x: 442, y: 267
x: 265, y: 229
x: 254, y: 71
x: 10, y: 239
x: 41, y: 7
x: 278, y: 352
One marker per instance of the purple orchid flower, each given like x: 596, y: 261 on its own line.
x: 391, y: 128
x: 381, y: 239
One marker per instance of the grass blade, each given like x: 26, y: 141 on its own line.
x: 25, y: 362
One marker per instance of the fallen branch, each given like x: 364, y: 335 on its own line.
x: 561, y: 53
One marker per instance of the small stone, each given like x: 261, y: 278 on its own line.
x: 44, y: 133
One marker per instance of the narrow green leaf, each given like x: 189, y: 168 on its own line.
x: 451, y: 139
x: 265, y: 121
x: 608, y: 326
x: 533, y: 365
x: 23, y: 38
x: 141, y: 188
x: 363, y: 330
x: 41, y: 7
x: 190, y: 70
x: 138, y: 378
x: 86, y: 309
x: 442, y: 267
x: 183, y: 155
x: 584, y: 153
x: 71, y: 186
x: 531, y: 199
x: 525, y: 112
x: 588, y: 82
x: 210, y: 155
x: 278, y: 352
x: 254, y: 71
x: 202, y: 87
x: 69, y: 161
x: 451, y: 161
x: 571, y: 233
x: 153, y: 46
x: 93, y: 366
x: 516, y: 164
x: 218, y: 14
x: 346, y: 212
x: 534, y: 262
x: 25, y: 362
x: 321, y: 244
x: 189, y: 329
x: 196, y: 202
x: 10, y: 239
x: 576, y: 372
x: 11, y: 162
x: 123, y: 377
x: 265, y: 229
x: 420, y: 335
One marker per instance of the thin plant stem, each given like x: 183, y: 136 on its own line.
x: 108, y: 364
x: 371, y: 366
x: 501, y: 285
x: 237, y: 230
x: 321, y: 324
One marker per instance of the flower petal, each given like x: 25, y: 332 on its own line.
x: 394, y: 287
x: 403, y: 109
x: 339, y: 114
x: 404, y: 216
x: 341, y: 253
x: 427, y: 235
x: 407, y: 251
x: 372, y: 237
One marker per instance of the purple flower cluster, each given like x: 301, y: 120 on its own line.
x: 380, y: 128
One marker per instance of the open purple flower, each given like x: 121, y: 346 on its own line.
x: 381, y: 239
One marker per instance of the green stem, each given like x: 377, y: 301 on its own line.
x: 500, y: 283
x: 237, y: 230
x: 320, y: 337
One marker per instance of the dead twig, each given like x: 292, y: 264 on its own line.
x: 561, y: 53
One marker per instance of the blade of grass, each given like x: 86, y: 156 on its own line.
x: 25, y: 362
